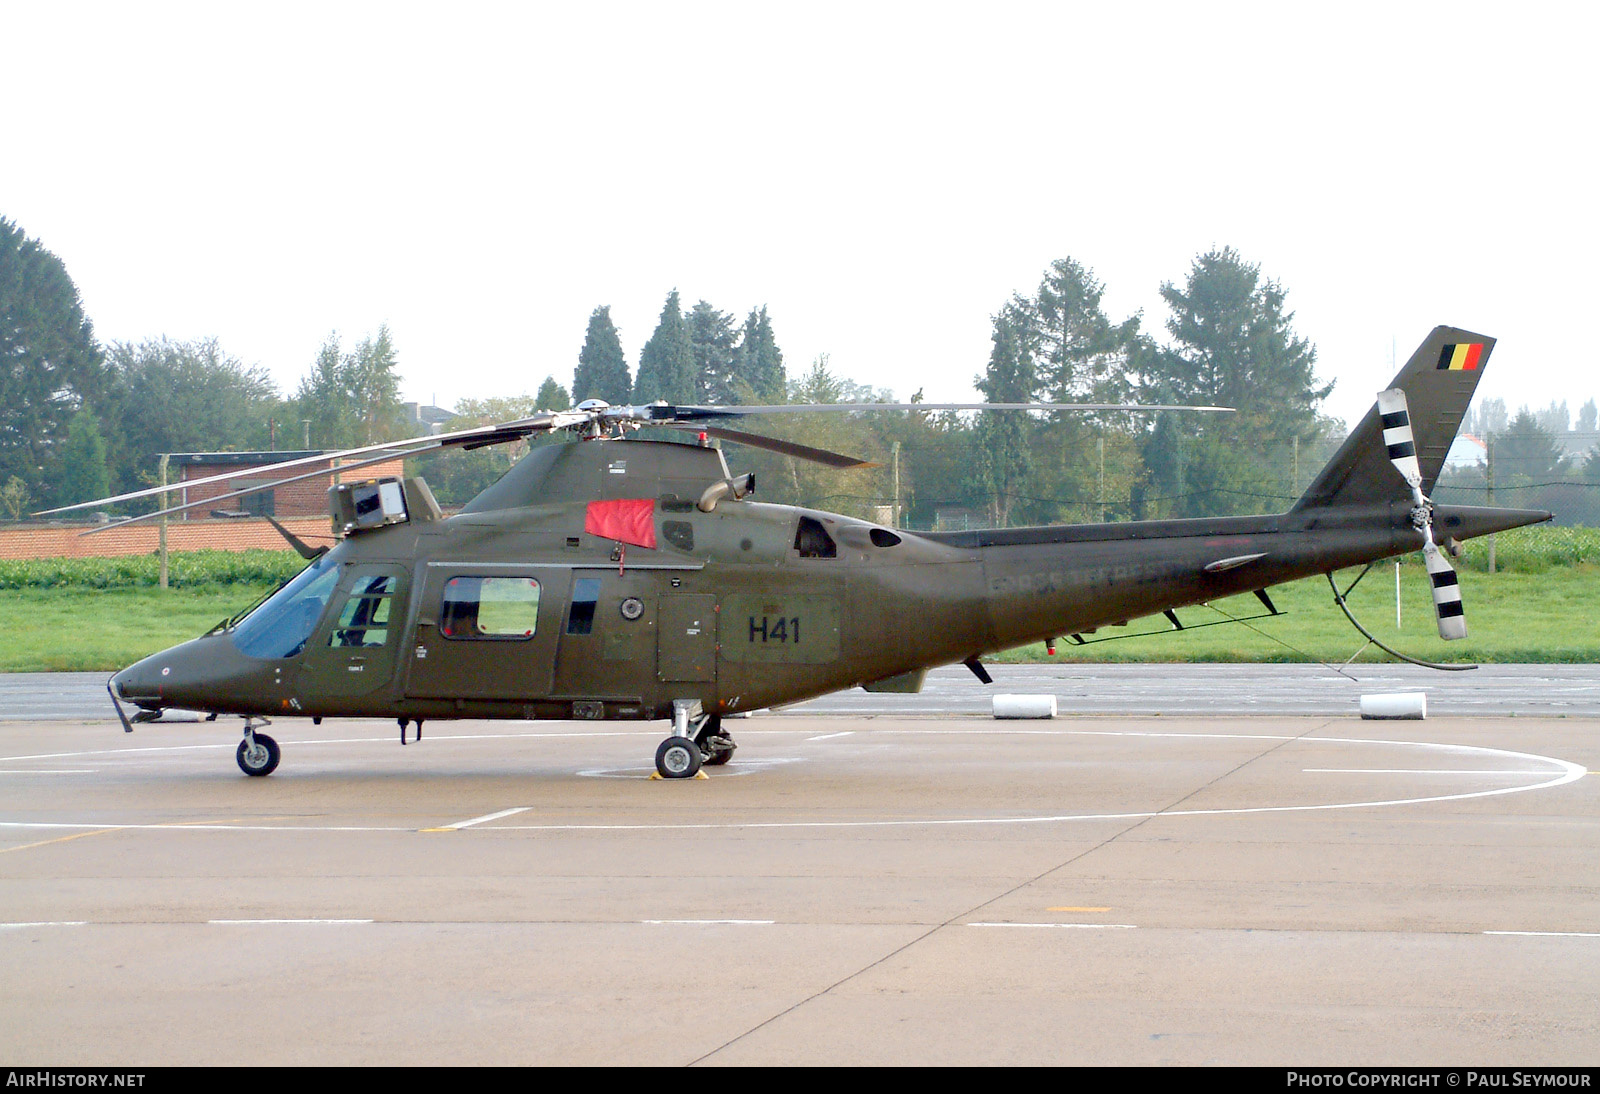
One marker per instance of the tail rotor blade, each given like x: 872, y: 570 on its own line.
x: 1446, y: 593
x: 1399, y: 439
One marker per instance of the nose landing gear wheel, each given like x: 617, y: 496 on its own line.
x: 262, y: 759
x: 678, y: 758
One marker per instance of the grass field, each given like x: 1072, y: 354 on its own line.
x: 1517, y: 616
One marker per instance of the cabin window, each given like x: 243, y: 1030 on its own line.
x: 585, y: 595
x: 812, y: 540
x: 364, y: 619
x: 504, y: 608
x: 285, y: 620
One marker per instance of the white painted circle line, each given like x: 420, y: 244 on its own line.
x: 1066, y: 926
x: 710, y: 922
x: 1549, y: 934
x: 1564, y: 772
x: 277, y: 922
x: 45, y: 923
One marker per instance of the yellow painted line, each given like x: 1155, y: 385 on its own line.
x: 59, y: 839
x: 1069, y: 909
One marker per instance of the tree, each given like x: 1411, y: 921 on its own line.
x: 758, y: 364
x: 85, y: 475
x: 1555, y: 418
x: 457, y: 475
x: 1526, y: 453
x: 50, y: 365
x: 14, y: 497
x: 666, y: 365
x: 1233, y: 345
x: 602, y: 371
x: 1003, y: 448
x: 552, y: 396
x: 713, y: 341
x: 352, y: 399
x: 1082, y: 355
x: 1586, y: 417
x: 170, y: 396
x: 374, y: 388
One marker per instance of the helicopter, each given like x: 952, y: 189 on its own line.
x: 620, y: 578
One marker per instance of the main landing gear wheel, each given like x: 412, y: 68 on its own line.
x: 678, y: 758
x: 260, y: 758
x: 716, y: 746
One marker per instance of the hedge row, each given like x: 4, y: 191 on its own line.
x: 185, y: 569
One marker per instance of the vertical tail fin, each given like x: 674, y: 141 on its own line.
x: 1439, y: 381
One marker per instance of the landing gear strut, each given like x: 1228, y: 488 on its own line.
x: 715, y: 745
x: 697, y: 740
x: 258, y: 754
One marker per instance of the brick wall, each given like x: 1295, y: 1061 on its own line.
x: 69, y: 541
x: 308, y: 497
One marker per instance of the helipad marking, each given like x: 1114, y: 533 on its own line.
x: 483, y: 819
x: 45, y: 923
x: 58, y: 839
x: 275, y: 922
x: 53, y: 771
x: 1550, y: 934
x: 1565, y: 772
x: 830, y: 736
x: 1066, y: 926
x: 1405, y: 771
x: 711, y: 922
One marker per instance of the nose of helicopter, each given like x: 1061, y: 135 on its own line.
x: 198, y: 675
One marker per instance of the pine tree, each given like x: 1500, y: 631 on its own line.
x: 1082, y: 355
x: 552, y: 396
x: 602, y: 371
x: 666, y: 364
x: 1003, y: 444
x: 713, y: 340
x: 85, y: 474
x: 758, y: 364
x: 50, y: 364
x: 1234, y: 346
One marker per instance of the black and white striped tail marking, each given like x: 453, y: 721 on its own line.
x: 1401, y: 444
x: 1446, y: 593
x: 1398, y: 438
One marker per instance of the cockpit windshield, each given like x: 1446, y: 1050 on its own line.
x: 281, y: 625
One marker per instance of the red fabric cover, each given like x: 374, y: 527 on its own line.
x: 627, y: 520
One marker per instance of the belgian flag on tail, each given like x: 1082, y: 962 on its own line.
x: 1463, y: 356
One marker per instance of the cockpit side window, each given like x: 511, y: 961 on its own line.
x: 283, y: 623
x: 364, y: 619
x: 812, y: 540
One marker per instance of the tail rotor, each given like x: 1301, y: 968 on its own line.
x: 1400, y: 441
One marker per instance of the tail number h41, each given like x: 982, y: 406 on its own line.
x: 767, y: 629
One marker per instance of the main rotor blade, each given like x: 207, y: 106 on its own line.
x: 787, y: 448
x: 489, y: 434
x: 179, y: 487
x: 699, y: 413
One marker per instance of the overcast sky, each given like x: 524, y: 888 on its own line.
x: 881, y: 176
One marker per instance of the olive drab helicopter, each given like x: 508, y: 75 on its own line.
x: 624, y: 578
